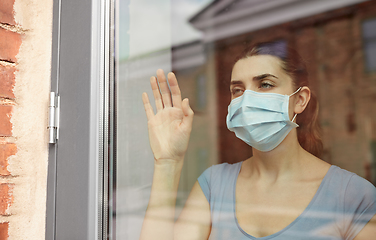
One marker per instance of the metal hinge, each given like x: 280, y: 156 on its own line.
x: 54, y: 117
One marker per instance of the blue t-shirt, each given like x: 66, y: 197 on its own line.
x: 343, y: 204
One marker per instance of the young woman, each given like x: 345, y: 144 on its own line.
x: 283, y: 191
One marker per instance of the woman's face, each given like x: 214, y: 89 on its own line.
x: 261, y: 73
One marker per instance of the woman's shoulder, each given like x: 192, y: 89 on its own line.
x: 220, y: 172
x: 223, y: 169
x: 217, y: 178
x: 353, y: 186
x: 349, y: 178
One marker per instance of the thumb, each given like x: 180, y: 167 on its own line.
x: 188, y: 113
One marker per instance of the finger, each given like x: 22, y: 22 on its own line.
x: 188, y: 114
x: 148, y: 108
x: 175, y: 90
x: 156, y: 93
x: 165, y: 91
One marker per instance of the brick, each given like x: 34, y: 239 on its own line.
x: 7, y: 12
x: 10, y: 43
x: 5, y: 124
x: 6, y: 150
x: 4, y: 230
x: 6, y: 198
x: 7, y: 81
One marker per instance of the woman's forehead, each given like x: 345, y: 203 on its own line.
x: 258, y: 65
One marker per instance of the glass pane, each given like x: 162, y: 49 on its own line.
x: 144, y: 46
x: 369, y: 36
x: 370, y: 56
x: 200, y: 41
x: 147, y: 31
x: 369, y: 28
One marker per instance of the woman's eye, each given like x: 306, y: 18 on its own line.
x: 237, y: 91
x: 266, y: 85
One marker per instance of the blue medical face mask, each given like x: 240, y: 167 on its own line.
x: 260, y: 119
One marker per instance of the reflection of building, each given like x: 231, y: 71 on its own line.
x: 336, y: 38
x: 194, y: 66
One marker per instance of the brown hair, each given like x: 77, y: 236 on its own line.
x: 309, y: 136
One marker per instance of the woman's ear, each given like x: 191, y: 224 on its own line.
x: 302, y: 99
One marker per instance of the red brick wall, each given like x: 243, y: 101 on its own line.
x: 331, y: 44
x: 10, y: 42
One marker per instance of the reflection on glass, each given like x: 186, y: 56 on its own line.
x: 199, y: 41
x: 148, y: 30
x: 369, y: 37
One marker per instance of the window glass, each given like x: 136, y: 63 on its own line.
x: 199, y: 41
x: 147, y: 31
x: 369, y: 42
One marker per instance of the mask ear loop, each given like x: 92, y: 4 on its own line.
x: 295, y: 92
x: 293, y: 119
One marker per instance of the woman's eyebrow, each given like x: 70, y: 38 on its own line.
x: 236, y: 82
x: 262, y: 76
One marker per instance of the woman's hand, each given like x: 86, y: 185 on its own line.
x: 170, y: 127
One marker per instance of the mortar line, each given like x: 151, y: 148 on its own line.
x: 5, y: 179
x: 7, y: 63
x: 13, y: 28
x: 7, y: 101
x: 8, y: 140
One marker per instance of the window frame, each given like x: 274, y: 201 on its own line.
x: 81, y: 66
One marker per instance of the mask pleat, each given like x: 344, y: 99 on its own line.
x: 254, y: 119
x: 273, y: 141
x: 267, y: 130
